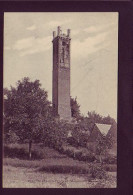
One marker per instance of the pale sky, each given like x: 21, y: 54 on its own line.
x: 94, y: 54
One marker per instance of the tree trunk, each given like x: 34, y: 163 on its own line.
x: 100, y: 158
x: 30, y: 145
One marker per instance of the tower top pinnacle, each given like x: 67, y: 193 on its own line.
x: 60, y: 34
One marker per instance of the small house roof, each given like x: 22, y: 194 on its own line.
x: 103, y: 128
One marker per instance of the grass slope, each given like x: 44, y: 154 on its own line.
x: 48, y: 169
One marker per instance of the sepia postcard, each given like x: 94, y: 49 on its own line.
x: 60, y: 99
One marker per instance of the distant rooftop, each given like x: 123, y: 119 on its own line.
x: 103, y: 128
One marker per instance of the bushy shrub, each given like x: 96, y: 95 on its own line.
x: 72, y: 141
x: 91, y: 146
x: 55, y: 134
x: 80, y: 135
x: 78, y: 155
x: 64, y: 169
x: 61, y: 149
x: 111, y: 160
x: 103, y: 144
x: 110, y: 167
x: 98, y: 171
x: 11, y: 137
x: 89, y: 157
x: 69, y: 152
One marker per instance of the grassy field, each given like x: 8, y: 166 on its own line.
x: 48, y: 169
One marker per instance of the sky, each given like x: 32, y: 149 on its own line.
x: 94, y: 54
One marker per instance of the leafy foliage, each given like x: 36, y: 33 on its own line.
x: 11, y: 137
x: 26, y: 109
x: 82, y: 131
x: 28, y: 117
x: 98, y: 171
x: 55, y: 133
x: 94, y: 117
x: 80, y: 154
x: 75, y: 108
x: 103, y: 144
x: 80, y: 137
x: 97, y: 118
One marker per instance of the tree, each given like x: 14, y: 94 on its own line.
x: 26, y: 110
x: 75, y: 108
x: 94, y: 117
x: 97, y: 118
x: 103, y: 144
x: 56, y: 132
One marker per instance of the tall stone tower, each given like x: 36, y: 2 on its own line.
x: 61, y: 74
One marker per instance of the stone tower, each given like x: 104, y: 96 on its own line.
x: 61, y: 74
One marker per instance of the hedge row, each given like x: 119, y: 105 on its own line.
x: 77, y: 155
x: 84, y: 155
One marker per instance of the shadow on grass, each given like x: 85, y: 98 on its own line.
x: 110, y: 168
x: 58, y: 157
x: 63, y: 169
x: 20, y: 153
